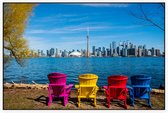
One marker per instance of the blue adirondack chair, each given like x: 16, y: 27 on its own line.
x: 140, y: 88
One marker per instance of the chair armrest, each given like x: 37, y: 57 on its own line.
x: 105, y: 87
x: 77, y: 86
x: 106, y: 90
x: 130, y: 90
x: 129, y: 87
x: 150, y: 89
x: 131, y: 94
x: 69, y: 86
x: 141, y: 86
x: 97, y: 88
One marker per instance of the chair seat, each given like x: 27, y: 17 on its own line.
x: 87, y: 87
x: 62, y: 95
x: 86, y: 96
x: 116, y: 89
x: 58, y: 88
x: 140, y: 88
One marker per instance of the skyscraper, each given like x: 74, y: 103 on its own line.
x: 38, y: 53
x: 107, y: 52
x: 157, y: 51
x: 87, y: 50
x: 144, y: 46
x: 99, y: 54
x: 124, y: 44
x: 128, y: 44
x: 65, y: 53
x: 42, y: 54
x: 146, y: 52
x: 52, y: 52
x: 139, y: 52
x: 48, y: 53
x: 114, y: 47
x: 103, y: 51
x: 119, y: 50
x: 125, y: 53
x: 149, y: 53
x: 153, y: 52
x: 93, y: 50
x: 56, y: 52
x: 99, y: 49
x: 111, y: 50
x: 132, y: 52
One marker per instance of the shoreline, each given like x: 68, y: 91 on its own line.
x: 45, y: 86
x: 104, y: 57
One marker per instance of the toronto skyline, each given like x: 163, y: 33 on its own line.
x: 64, y: 26
x: 115, y: 49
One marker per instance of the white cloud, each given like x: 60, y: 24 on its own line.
x: 107, y: 37
x: 125, y: 26
x: 60, y: 18
x: 50, y: 31
x: 66, y: 30
x: 80, y: 28
x: 105, y: 5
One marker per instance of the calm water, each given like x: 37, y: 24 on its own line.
x: 37, y: 69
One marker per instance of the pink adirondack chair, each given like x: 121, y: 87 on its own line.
x: 58, y: 88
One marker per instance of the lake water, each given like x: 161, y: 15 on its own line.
x: 37, y: 69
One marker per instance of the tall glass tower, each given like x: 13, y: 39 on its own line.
x: 87, y: 50
x: 93, y: 50
x: 114, y: 47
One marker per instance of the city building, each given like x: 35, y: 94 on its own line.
x: 87, y: 50
x: 139, y: 52
x: 123, y: 49
x: 153, y: 52
x: 125, y: 52
x: 157, y: 51
x: 94, y: 50
x: 52, y: 51
x: 132, y: 52
x: 75, y: 54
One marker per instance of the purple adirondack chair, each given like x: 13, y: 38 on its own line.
x: 58, y: 88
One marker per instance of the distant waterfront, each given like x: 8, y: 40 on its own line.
x: 37, y: 69
x: 121, y: 49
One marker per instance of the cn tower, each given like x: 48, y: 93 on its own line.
x: 87, y: 51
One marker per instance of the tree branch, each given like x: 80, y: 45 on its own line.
x: 149, y: 20
x: 162, y: 5
x: 13, y: 52
x: 143, y: 16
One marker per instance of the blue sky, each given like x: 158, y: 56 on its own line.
x: 64, y: 26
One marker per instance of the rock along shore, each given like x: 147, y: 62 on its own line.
x: 45, y: 86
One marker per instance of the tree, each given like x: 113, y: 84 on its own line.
x: 15, y: 21
x: 149, y: 19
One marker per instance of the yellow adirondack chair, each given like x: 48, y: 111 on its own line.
x: 87, y: 87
